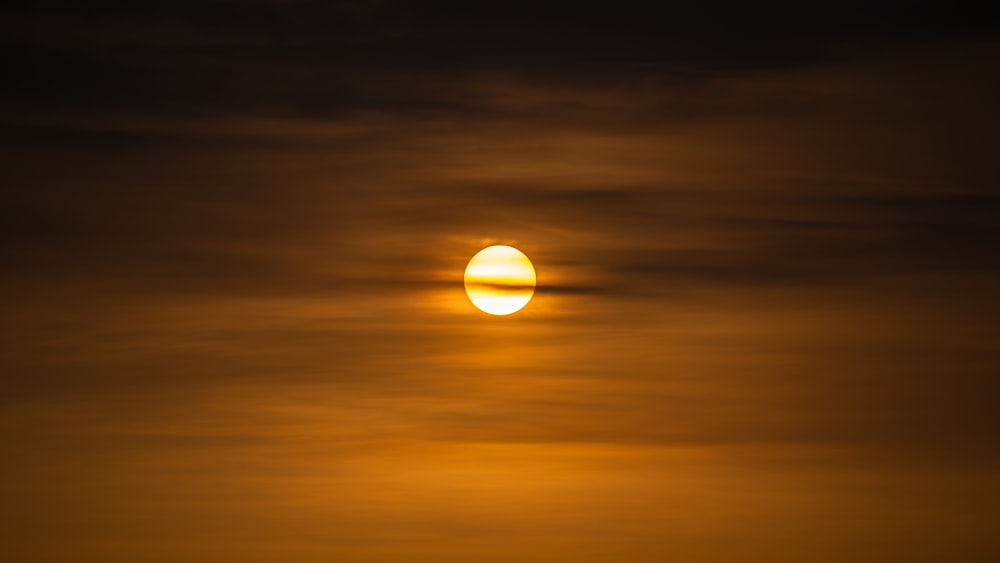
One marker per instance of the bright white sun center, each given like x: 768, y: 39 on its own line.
x: 500, y: 280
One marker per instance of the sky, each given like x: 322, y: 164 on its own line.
x: 233, y: 325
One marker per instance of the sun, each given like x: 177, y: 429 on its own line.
x: 500, y: 280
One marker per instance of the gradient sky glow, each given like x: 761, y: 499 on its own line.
x: 233, y: 325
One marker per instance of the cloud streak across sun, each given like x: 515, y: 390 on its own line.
x: 500, y: 280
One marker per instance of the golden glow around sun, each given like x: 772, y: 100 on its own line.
x: 500, y: 280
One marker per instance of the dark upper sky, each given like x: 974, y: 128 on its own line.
x: 233, y: 328
x: 324, y: 58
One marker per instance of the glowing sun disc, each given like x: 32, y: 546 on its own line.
x: 500, y: 280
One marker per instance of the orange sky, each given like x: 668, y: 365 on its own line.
x: 764, y: 330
